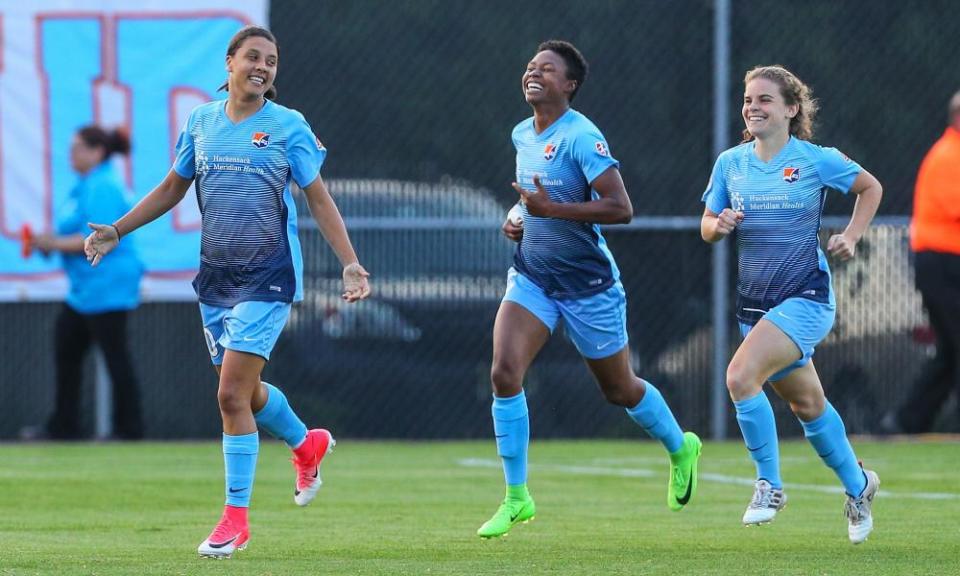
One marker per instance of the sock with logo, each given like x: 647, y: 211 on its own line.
x: 240, y: 464
x: 654, y: 416
x: 511, y: 424
x: 759, y: 429
x: 279, y: 420
x: 828, y: 436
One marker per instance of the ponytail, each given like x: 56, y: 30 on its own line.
x: 117, y: 141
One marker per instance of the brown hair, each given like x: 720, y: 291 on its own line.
x: 237, y: 40
x: 115, y: 141
x: 794, y: 92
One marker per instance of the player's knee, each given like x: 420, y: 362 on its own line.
x: 741, y: 383
x: 808, y: 406
x: 507, y: 379
x: 231, y: 398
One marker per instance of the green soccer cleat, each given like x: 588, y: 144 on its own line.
x: 510, y: 513
x: 682, y: 485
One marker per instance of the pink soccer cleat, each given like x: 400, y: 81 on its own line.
x: 226, y: 538
x: 306, y: 461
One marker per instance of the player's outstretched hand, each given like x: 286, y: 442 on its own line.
x: 100, y: 242
x: 728, y: 220
x: 538, y: 203
x: 355, y: 284
x: 841, y: 247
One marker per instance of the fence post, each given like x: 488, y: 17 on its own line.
x: 721, y: 250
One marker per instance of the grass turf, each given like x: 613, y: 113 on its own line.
x: 413, y: 508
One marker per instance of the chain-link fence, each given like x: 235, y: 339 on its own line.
x: 415, y: 101
x: 422, y: 89
x: 415, y: 360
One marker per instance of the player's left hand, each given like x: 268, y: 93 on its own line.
x: 355, y: 284
x: 538, y: 203
x: 100, y: 242
x: 841, y: 247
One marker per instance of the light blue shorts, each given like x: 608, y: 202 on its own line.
x: 252, y: 327
x: 804, y: 321
x: 597, y: 325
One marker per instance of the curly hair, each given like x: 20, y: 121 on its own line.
x: 577, y: 67
x: 794, y: 92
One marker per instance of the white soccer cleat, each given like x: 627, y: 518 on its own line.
x: 765, y: 504
x: 858, y: 510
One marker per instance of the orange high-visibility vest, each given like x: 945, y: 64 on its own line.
x: 935, y: 225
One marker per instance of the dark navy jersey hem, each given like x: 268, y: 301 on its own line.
x: 816, y: 288
x: 228, y: 303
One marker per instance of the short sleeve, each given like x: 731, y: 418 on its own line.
x: 591, y: 152
x: 183, y: 163
x: 938, y: 180
x: 836, y: 170
x: 305, y: 153
x: 107, y: 202
x: 716, y: 196
x: 71, y: 218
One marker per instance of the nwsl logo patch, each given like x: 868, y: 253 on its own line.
x: 549, y: 151
x: 260, y: 139
x: 791, y: 175
x: 601, y: 148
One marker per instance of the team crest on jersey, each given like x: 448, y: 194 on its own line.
x: 549, y: 151
x: 601, y: 148
x: 260, y: 139
x: 791, y: 175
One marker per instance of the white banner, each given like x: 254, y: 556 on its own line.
x: 66, y: 64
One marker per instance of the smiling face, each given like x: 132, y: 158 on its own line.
x: 765, y: 111
x: 546, y: 79
x: 252, y: 68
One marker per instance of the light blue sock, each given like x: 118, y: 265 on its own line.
x: 511, y: 424
x: 279, y: 420
x: 828, y: 436
x: 759, y: 428
x: 654, y: 416
x: 240, y: 464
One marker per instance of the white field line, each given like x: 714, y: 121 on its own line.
x: 718, y: 478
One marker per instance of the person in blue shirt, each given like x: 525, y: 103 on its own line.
x: 98, y: 303
x: 569, y: 184
x: 771, y: 190
x: 243, y: 154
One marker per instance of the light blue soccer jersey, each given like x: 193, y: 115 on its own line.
x: 567, y: 259
x: 100, y: 196
x: 249, y: 248
x: 782, y: 201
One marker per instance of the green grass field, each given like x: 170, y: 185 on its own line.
x: 413, y: 508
